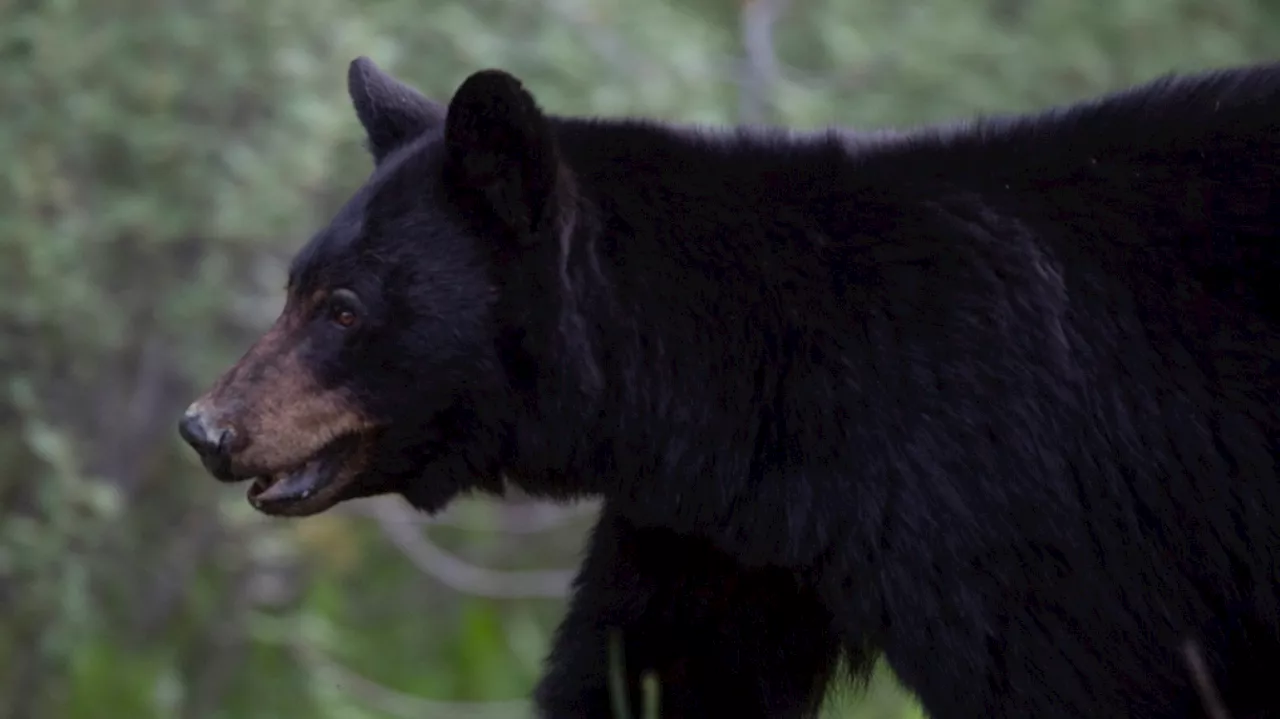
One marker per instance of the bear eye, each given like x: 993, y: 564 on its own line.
x: 343, y: 308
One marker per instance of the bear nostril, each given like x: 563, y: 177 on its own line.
x: 225, y: 437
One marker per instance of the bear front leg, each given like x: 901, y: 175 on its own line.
x: 721, y: 640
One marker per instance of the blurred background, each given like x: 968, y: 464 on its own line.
x: 163, y: 159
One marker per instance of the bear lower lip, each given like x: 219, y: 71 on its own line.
x: 288, y: 487
x: 308, y: 487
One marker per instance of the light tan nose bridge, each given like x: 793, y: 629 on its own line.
x: 195, y: 412
x: 203, y: 434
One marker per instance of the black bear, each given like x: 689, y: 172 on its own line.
x: 996, y: 401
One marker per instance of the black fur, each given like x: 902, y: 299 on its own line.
x: 996, y: 400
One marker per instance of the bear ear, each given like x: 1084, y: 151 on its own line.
x: 501, y: 153
x: 392, y: 112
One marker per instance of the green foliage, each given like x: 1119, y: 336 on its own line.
x: 650, y: 700
x: 162, y: 162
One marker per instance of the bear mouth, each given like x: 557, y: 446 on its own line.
x: 312, y: 486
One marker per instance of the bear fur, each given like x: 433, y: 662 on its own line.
x: 995, y: 400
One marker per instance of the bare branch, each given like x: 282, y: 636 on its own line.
x: 537, y: 517
x: 170, y: 579
x: 531, y: 518
x: 208, y: 668
x: 133, y: 413
x: 395, y: 521
x: 761, y: 71
x: 398, y: 703
x: 1203, y: 680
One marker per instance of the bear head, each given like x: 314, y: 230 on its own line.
x: 383, y: 372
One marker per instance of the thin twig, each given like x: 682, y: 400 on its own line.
x: 397, y: 703
x: 457, y: 573
x: 762, y: 70
x: 1200, y: 675
x: 532, y: 518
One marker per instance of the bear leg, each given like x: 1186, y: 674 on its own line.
x: 722, y: 640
